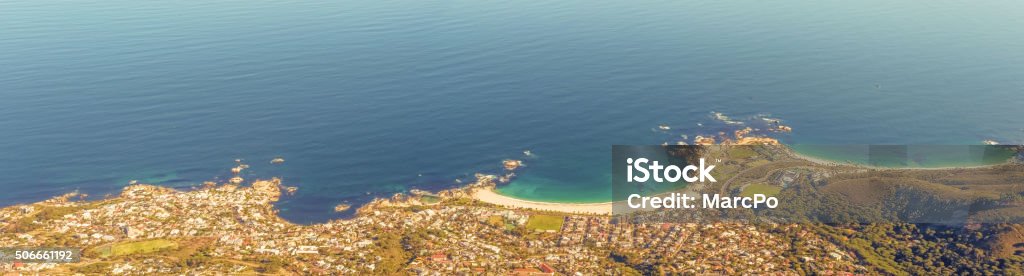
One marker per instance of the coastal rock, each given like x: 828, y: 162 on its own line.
x: 781, y: 128
x: 227, y: 188
x: 419, y: 192
x: 453, y: 193
x: 739, y: 134
x: 511, y: 165
x: 703, y: 141
x: 744, y: 136
x: 399, y: 200
x: 725, y: 119
x: 342, y: 207
x: 757, y: 141
x: 133, y: 191
x: 62, y: 199
x: 485, y: 179
x: 238, y: 169
x: 269, y: 188
x: 506, y: 178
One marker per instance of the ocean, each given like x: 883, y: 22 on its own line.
x: 364, y: 99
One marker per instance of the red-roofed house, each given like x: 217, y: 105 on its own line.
x: 439, y: 257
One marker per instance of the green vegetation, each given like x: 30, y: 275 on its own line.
x: 539, y: 222
x: 139, y: 247
x: 27, y: 223
x: 93, y: 268
x: 922, y: 249
x: 429, y: 199
x: 862, y: 248
x: 496, y: 221
x: 741, y: 152
x: 270, y: 265
x: 390, y: 250
x: 765, y: 189
x: 632, y: 263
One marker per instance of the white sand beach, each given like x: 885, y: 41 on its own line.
x: 488, y: 195
x: 821, y: 161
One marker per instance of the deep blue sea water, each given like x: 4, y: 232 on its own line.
x: 369, y: 98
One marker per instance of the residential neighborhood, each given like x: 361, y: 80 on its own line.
x: 227, y: 228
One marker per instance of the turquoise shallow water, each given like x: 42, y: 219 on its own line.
x: 369, y: 98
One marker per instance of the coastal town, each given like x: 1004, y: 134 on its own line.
x: 227, y: 228
x: 232, y: 227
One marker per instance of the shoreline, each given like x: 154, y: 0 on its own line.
x: 489, y: 195
x: 827, y: 162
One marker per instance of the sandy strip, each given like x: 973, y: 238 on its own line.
x: 820, y: 161
x: 488, y: 195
